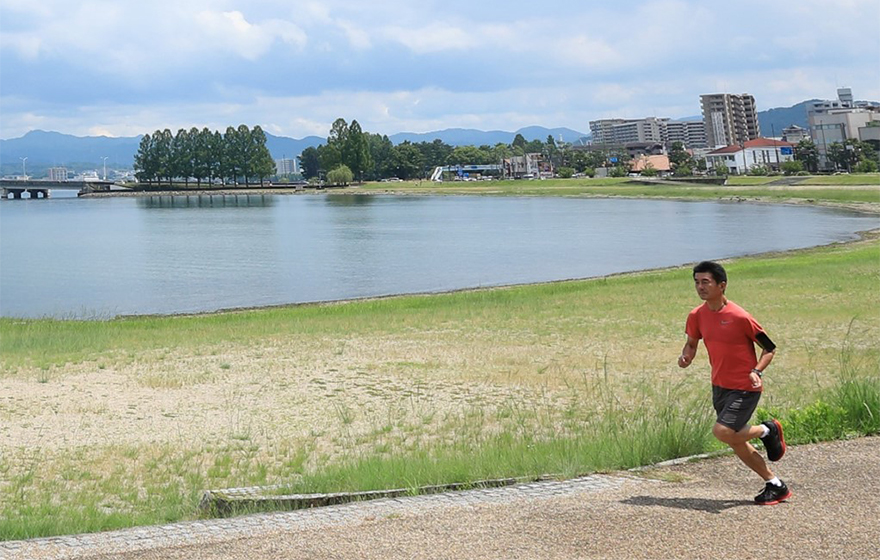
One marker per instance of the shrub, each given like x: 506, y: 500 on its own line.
x: 866, y: 166
x: 792, y: 167
x: 565, y: 172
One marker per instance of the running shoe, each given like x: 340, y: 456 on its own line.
x: 774, y: 442
x: 773, y: 494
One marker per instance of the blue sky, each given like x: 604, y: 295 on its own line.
x: 122, y: 68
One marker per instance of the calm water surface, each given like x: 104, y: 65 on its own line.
x: 97, y: 258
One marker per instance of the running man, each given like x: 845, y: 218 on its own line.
x: 730, y: 334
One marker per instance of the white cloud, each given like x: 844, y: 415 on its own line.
x: 294, y: 66
x: 230, y: 31
x: 432, y: 38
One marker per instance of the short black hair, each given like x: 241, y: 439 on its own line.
x: 716, y: 270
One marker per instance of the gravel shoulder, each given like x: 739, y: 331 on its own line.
x: 694, y: 510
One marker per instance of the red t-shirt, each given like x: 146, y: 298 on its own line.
x: 730, y: 337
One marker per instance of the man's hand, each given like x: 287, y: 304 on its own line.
x: 688, y: 352
x: 756, y: 380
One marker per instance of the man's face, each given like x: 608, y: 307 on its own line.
x: 707, y: 287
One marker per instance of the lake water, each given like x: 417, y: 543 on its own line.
x: 97, y: 258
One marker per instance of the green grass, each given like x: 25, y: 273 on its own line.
x: 749, y: 180
x: 856, y: 179
x: 739, y: 188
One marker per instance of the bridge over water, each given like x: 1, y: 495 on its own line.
x: 40, y: 189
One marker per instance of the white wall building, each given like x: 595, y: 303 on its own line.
x: 739, y: 159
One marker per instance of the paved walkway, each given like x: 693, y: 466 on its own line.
x: 694, y: 510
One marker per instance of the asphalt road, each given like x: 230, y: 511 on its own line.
x: 695, y: 510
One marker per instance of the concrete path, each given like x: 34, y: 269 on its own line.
x: 694, y: 510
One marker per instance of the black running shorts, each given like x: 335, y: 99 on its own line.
x: 734, y: 408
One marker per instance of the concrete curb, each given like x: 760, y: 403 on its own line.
x: 233, y: 501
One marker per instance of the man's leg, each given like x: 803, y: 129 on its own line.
x: 739, y: 442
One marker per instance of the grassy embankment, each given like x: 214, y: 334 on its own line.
x: 565, y: 378
x: 859, y: 189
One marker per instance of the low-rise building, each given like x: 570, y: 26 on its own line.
x: 658, y: 162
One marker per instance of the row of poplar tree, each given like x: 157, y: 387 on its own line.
x: 239, y: 155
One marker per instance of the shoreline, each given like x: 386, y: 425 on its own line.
x: 871, y: 208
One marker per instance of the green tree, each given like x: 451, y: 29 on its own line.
x: 356, y: 151
x: 405, y: 162
x: 231, y: 158
x: 244, y: 151
x: 146, y: 164
x: 468, y: 155
x: 341, y: 175
x: 164, y: 157
x: 618, y: 171
x: 380, y: 147
x: 679, y: 156
x: 218, y: 156
x: 649, y: 171
x: 565, y: 172
x: 310, y: 162
x: 261, y: 163
x: 519, y: 144
x: 807, y: 153
x: 181, y: 156
x: 846, y: 154
x: 201, y: 153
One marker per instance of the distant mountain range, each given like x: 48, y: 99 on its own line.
x: 45, y: 149
x: 472, y: 137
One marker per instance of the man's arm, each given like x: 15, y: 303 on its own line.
x: 688, y: 352
x: 768, y: 350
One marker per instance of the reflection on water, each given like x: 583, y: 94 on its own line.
x: 164, y: 254
x: 343, y: 200
x: 207, y: 201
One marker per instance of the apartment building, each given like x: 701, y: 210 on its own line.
x: 649, y: 130
x: 690, y: 133
x: 729, y: 118
x: 624, y: 131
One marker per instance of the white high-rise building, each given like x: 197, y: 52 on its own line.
x: 285, y: 166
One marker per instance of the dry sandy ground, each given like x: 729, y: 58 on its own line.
x: 834, y: 513
x: 327, y: 393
